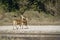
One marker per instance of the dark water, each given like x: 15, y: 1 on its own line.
x: 29, y: 38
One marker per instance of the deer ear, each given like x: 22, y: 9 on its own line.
x: 14, y: 16
x: 21, y: 15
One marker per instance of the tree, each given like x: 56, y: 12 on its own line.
x: 23, y: 5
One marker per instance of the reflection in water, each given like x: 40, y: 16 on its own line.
x: 29, y: 38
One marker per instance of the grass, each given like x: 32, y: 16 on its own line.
x: 34, y: 18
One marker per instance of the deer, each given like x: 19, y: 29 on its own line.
x: 21, y: 22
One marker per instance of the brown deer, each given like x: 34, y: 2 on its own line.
x: 20, y: 22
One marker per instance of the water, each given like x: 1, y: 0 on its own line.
x: 49, y: 33
x: 29, y: 38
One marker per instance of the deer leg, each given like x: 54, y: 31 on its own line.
x: 14, y: 27
x: 22, y: 25
x: 17, y: 27
x: 14, y: 24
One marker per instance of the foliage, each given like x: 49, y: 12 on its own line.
x: 23, y: 5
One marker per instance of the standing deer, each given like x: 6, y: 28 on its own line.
x: 20, y: 22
